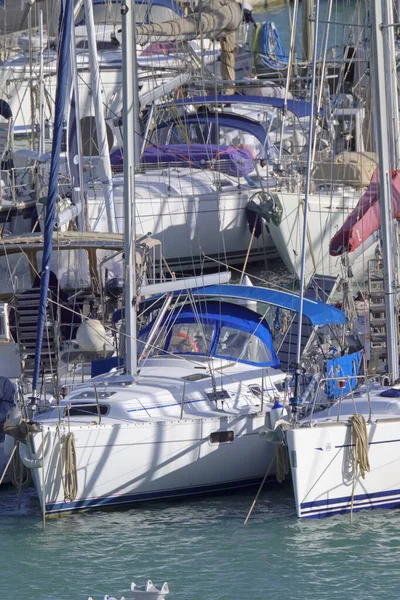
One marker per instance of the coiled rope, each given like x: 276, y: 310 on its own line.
x: 360, y: 452
x: 70, y: 474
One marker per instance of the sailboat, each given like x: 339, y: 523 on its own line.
x: 184, y: 416
x: 340, y: 171
x: 344, y: 456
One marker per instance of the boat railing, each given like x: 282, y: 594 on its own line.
x: 14, y: 182
x: 84, y: 408
x: 322, y: 401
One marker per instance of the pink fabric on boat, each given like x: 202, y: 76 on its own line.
x: 366, y: 217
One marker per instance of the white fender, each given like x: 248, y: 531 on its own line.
x: 30, y: 460
x: 278, y: 411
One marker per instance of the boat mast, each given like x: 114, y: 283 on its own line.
x: 129, y: 80
x: 382, y: 123
x: 101, y: 131
x: 296, y: 400
x: 64, y: 57
x: 308, y: 32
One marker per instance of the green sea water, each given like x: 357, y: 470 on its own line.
x: 202, y: 548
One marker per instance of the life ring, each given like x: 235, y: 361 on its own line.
x: 187, y: 337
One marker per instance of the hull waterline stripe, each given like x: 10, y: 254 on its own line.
x: 346, y: 509
x: 61, y: 507
x: 345, y: 499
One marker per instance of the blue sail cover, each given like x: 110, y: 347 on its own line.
x: 232, y: 161
x: 65, y: 24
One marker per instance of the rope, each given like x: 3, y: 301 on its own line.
x: 282, y: 464
x: 282, y: 469
x: 8, y: 464
x: 360, y: 438
x: 360, y: 452
x: 70, y: 474
x: 20, y: 476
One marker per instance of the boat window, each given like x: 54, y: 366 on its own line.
x: 14, y: 273
x: 221, y: 437
x: 195, y: 133
x: 196, y: 377
x: 92, y: 395
x: 82, y: 410
x: 237, y: 138
x: 71, y: 267
x: 239, y: 345
x: 190, y: 337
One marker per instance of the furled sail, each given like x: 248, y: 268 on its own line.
x: 212, y: 19
x: 366, y: 217
x: 215, y: 19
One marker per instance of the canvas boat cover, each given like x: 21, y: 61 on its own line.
x: 366, y: 217
x: 214, y: 19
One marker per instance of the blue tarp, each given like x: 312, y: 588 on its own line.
x: 342, y: 366
x: 232, y: 161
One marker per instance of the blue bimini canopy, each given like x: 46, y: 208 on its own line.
x: 300, y: 108
x: 318, y: 312
x: 219, y: 329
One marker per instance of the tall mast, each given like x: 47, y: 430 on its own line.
x: 63, y: 65
x: 296, y: 400
x: 101, y: 131
x: 382, y: 123
x: 130, y: 111
x: 308, y: 32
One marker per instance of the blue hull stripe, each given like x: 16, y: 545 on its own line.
x: 90, y: 503
x: 335, y: 506
x: 346, y: 509
x: 357, y: 498
x: 369, y: 444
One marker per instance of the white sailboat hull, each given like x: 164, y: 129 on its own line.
x: 125, y: 463
x: 191, y: 218
x: 326, y: 215
x: 321, y: 459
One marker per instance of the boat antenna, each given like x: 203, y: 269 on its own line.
x: 296, y: 400
x: 130, y: 112
x: 65, y: 28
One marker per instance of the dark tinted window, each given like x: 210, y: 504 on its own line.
x: 219, y: 437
